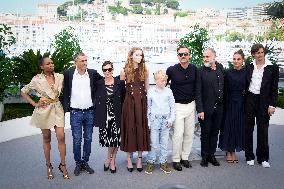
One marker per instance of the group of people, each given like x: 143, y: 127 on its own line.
x: 135, y: 117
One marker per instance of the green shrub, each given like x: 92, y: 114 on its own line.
x: 280, y: 99
x: 280, y: 102
x: 17, y: 110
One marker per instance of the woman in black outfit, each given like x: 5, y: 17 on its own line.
x: 232, y: 138
x: 109, y: 95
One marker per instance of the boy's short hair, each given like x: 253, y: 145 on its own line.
x: 160, y: 74
x: 256, y: 47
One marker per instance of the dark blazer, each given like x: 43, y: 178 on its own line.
x: 269, y: 85
x: 100, y: 102
x: 67, y: 86
x: 208, y: 95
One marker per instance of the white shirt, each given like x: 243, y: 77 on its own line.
x: 256, y: 78
x: 81, y: 91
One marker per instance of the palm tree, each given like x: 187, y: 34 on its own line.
x: 26, y: 66
x: 7, y: 38
x: 276, y: 10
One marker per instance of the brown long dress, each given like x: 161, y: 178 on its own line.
x: 134, y: 124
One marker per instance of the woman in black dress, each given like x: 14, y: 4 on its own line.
x: 109, y: 95
x: 232, y: 138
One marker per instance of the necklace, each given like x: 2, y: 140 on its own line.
x: 51, y: 75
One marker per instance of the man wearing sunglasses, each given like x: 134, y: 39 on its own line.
x: 182, y: 77
x: 78, y: 99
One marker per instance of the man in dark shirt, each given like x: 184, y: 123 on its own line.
x: 209, y: 105
x: 182, y: 77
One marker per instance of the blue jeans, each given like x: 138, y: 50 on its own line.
x: 79, y: 120
x: 159, y: 137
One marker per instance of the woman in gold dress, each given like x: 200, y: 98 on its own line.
x: 48, y: 112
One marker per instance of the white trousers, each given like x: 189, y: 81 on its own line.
x: 183, y: 131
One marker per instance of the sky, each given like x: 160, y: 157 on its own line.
x: 29, y: 6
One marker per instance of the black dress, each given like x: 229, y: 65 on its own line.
x: 232, y: 135
x: 109, y: 136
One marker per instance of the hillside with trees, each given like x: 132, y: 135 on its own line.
x: 156, y: 7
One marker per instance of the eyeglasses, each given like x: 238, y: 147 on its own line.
x: 183, y: 54
x: 107, y: 69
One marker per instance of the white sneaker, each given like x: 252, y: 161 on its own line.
x: 265, y: 164
x: 251, y: 162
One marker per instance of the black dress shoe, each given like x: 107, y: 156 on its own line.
x: 177, y: 166
x: 87, y: 168
x: 204, y: 162
x: 213, y: 161
x: 77, y: 170
x: 186, y: 163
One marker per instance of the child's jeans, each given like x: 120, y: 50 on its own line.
x: 159, y: 137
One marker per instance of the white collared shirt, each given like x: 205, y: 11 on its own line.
x: 256, y: 78
x: 81, y: 91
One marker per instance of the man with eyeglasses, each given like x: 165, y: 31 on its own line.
x: 78, y: 99
x: 209, y: 105
x: 182, y: 77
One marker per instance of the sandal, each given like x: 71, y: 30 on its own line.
x: 49, y: 171
x: 65, y: 176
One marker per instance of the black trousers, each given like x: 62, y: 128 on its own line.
x: 210, y: 127
x: 254, y: 111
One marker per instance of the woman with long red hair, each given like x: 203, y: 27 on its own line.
x: 134, y: 125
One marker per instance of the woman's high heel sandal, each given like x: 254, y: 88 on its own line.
x: 49, y: 171
x: 130, y: 169
x: 140, y: 169
x: 113, y: 170
x: 65, y: 176
x: 106, y: 166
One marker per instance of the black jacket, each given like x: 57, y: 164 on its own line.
x: 269, y: 85
x: 209, y: 93
x: 67, y: 86
x: 100, y: 102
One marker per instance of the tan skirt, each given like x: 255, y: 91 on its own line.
x: 49, y: 116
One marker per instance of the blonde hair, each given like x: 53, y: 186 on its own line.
x: 129, y: 67
x: 160, y: 74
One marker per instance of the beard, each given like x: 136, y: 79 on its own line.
x: 207, y: 64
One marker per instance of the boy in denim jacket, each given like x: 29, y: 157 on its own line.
x: 161, y: 114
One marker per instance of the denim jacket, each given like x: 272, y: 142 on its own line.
x: 161, y: 102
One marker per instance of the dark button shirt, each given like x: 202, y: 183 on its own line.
x: 210, y: 87
x: 182, y: 82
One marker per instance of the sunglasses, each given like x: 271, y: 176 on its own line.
x: 183, y: 54
x: 107, y: 69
